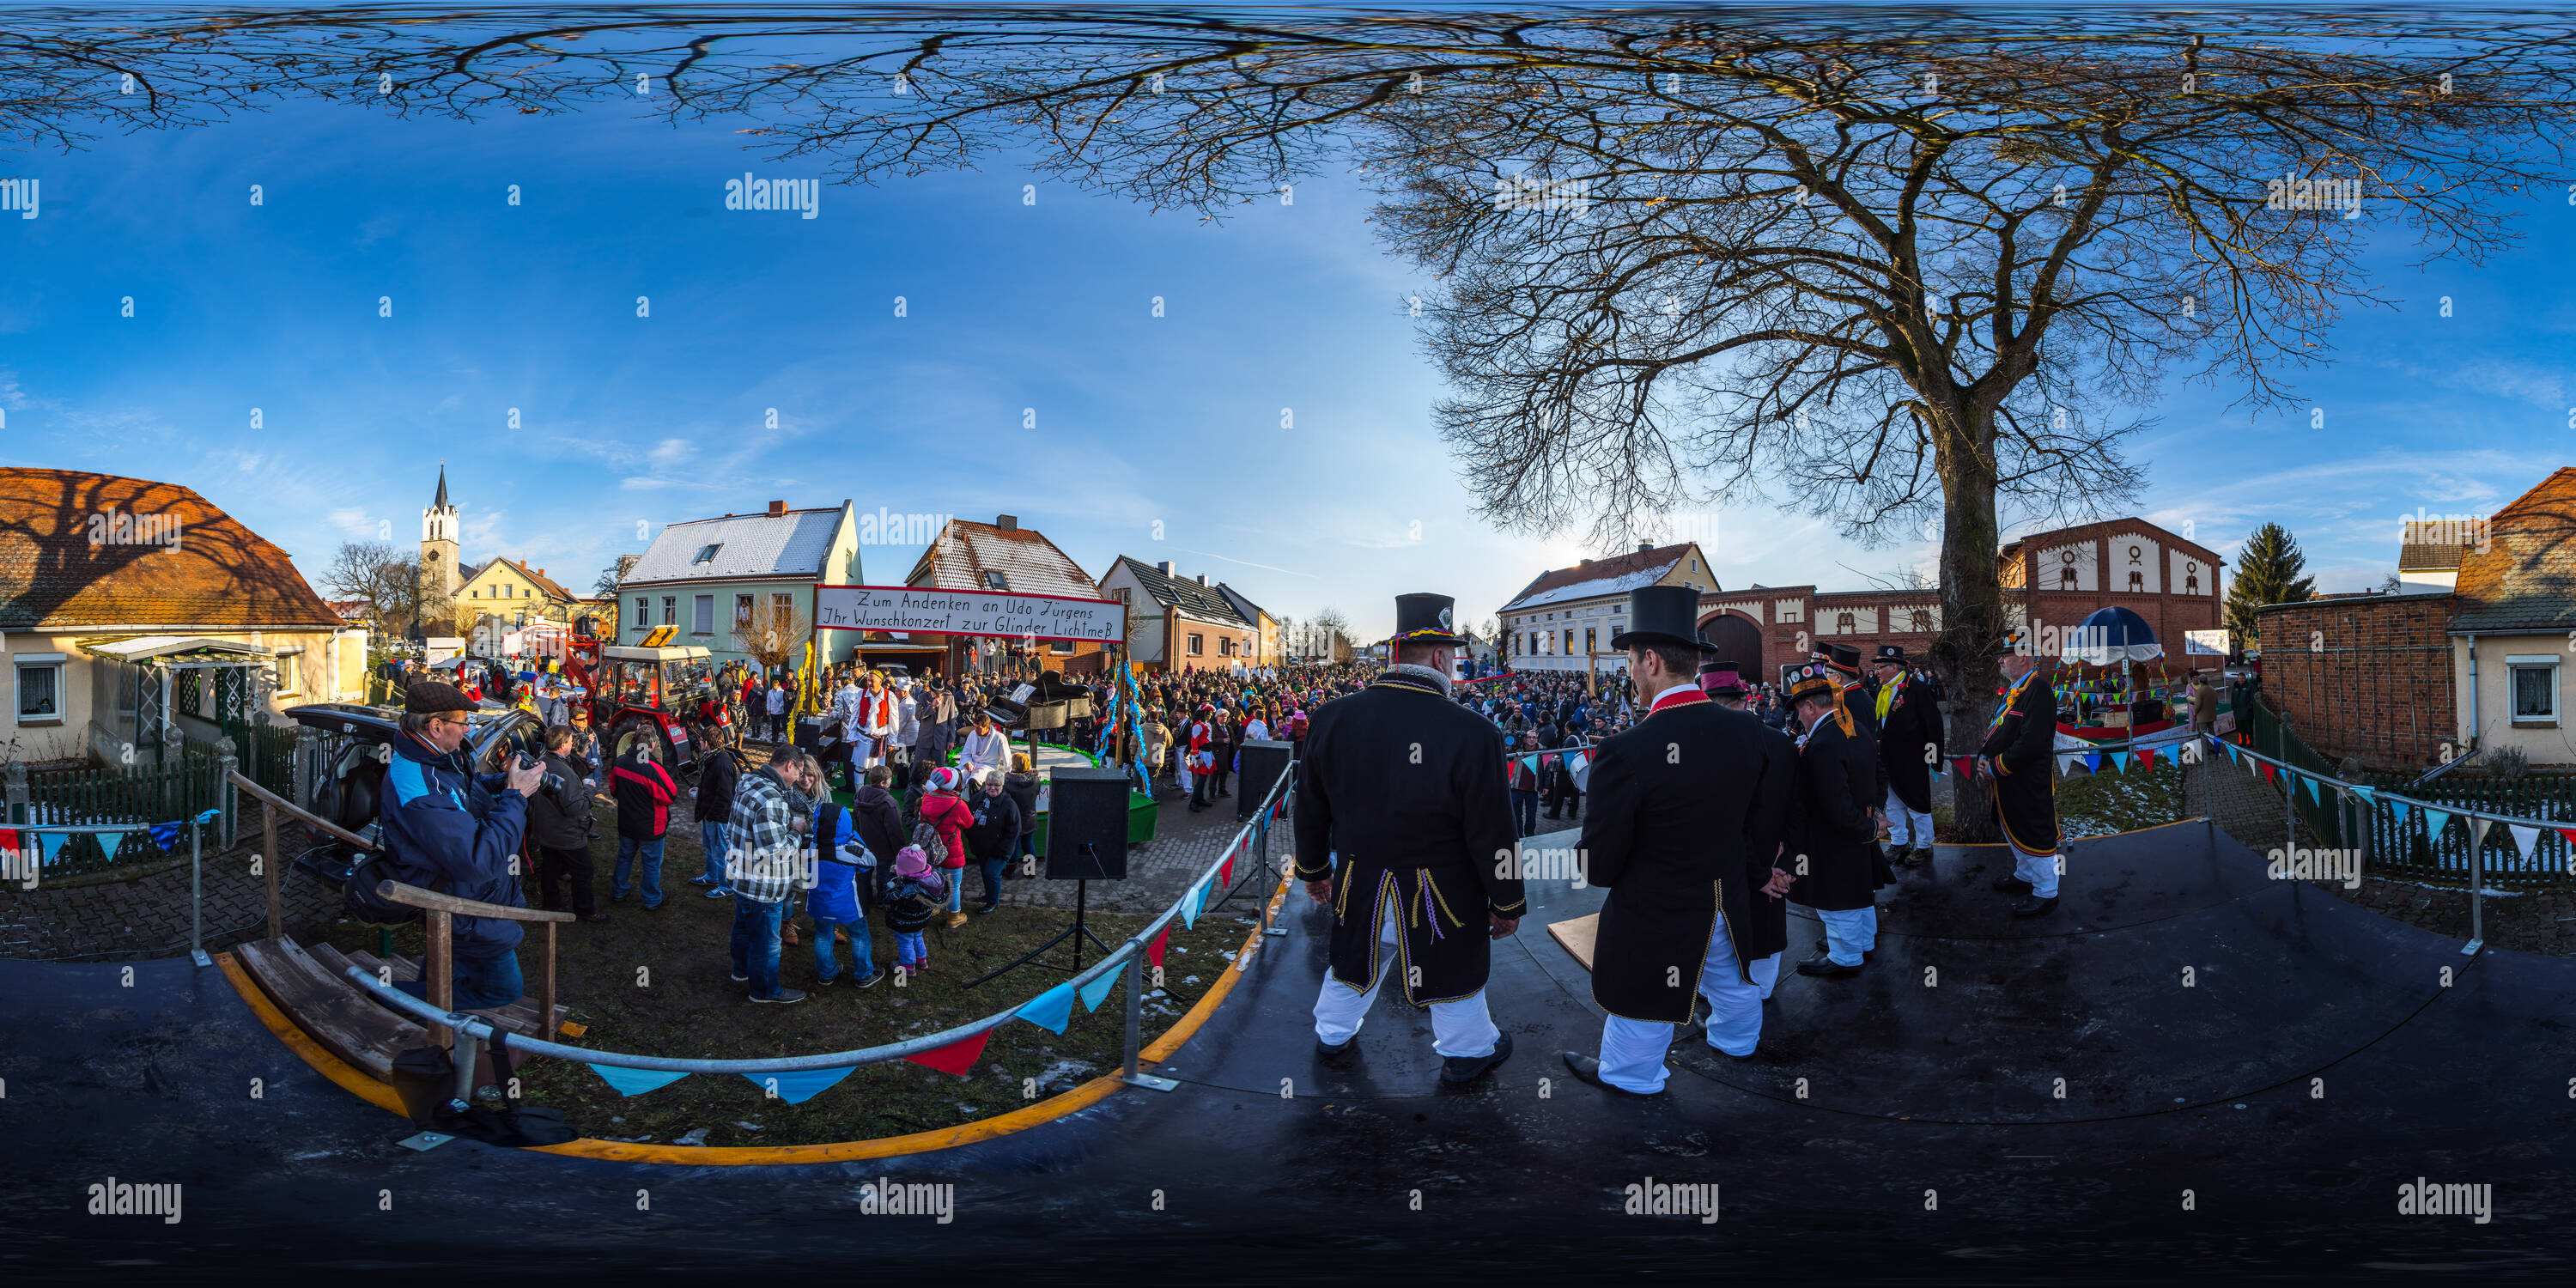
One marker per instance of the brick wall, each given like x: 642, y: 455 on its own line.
x: 2369, y: 678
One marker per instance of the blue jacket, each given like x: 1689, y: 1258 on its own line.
x: 460, y: 834
x: 835, y: 896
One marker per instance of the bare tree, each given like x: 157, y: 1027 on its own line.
x: 610, y: 578
x: 774, y: 638
x: 385, y: 576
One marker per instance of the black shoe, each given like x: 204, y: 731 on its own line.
x: 1826, y: 967
x: 1589, y: 1069
x: 2035, y: 906
x: 1824, y: 949
x: 990, y: 905
x: 1458, y: 1069
x: 1341, y: 1051
x: 2012, y: 885
x: 873, y: 977
x: 1698, y: 1019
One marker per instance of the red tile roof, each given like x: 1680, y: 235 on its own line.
x: 2526, y: 577
x: 959, y: 556
x: 218, y: 574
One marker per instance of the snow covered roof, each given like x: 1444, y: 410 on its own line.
x: 1617, y: 575
x: 793, y: 543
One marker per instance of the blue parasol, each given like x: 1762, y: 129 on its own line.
x: 2111, y: 635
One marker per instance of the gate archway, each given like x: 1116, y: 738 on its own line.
x: 1738, y: 639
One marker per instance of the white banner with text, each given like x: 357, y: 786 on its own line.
x: 998, y: 614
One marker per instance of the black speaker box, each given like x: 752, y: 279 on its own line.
x: 1087, y: 824
x: 1263, y: 763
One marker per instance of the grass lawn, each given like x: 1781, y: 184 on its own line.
x: 2101, y: 804
x: 659, y: 983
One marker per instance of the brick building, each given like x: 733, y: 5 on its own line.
x: 2051, y: 580
x: 2365, y: 676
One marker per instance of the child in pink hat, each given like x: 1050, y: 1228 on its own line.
x: 912, y: 900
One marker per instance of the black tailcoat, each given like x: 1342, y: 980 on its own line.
x: 1913, y: 723
x: 1835, y: 835
x: 1863, y: 706
x: 1407, y: 787
x: 2023, y: 746
x: 1679, y: 804
x: 1775, y: 821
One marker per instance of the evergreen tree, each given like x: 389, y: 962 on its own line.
x: 2268, y: 571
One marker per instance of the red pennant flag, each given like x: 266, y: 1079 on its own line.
x: 2570, y: 834
x: 1225, y: 875
x: 1154, y: 950
x: 956, y: 1057
x: 1967, y: 766
x: 2266, y: 767
x: 2146, y: 757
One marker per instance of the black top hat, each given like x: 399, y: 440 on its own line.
x: 1890, y: 653
x: 1841, y: 657
x: 1814, y: 680
x: 1661, y: 615
x: 1426, y: 619
x: 1721, y: 678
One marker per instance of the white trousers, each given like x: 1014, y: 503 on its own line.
x: 1849, y: 932
x: 1906, y: 828
x: 1462, y: 1027
x: 2040, y: 870
x: 1632, y: 1051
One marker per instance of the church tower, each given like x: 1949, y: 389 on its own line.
x: 440, y: 575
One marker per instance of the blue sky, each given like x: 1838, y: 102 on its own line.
x: 627, y: 423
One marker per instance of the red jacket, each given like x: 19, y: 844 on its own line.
x: 951, y: 816
x: 644, y: 795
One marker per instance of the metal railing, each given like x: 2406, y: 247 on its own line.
x: 25, y: 868
x: 1126, y: 957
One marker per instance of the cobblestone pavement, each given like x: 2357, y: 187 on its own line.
x: 148, y: 916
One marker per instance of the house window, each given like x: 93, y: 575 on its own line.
x: 670, y: 610
x: 40, y: 688
x: 742, y: 612
x: 2532, y: 683
x: 1588, y: 645
x: 782, y: 609
x: 707, y: 554
x: 1060, y: 646
x: 1225, y: 646
x: 702, y: 615
x: 643, y: 612
x: 994, y: 580
x: 287, y: 664
x: 1569, y: 639
x: 1198, y: 645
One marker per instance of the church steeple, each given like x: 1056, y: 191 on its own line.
x: 441, y: 502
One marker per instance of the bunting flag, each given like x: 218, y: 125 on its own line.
x: 956, y: 1057
x: 1097, y: 991
x: 2146, y: 757
x: 1225, y: 871
x: 2232, y: 757
x: 2314, y: 796
x: 796, y: 1086
x: 1967, y: 765
x: 165, y: 835
x: 2523, y: 839
x: 2370, y: 794
x: 1052, y: 1009
x: 1154, y: 950
x: 1191, y: 904
x: 9, y: 839
x: 2477, y: 832
x: 635, y: 1082
x: 2093, y: 762
x: 2066, y: 764
x: 2436, y: 821
x: 110, y: 842
x: 2400, y: 808
x: 2266, y: 767
x: 2120, y: 761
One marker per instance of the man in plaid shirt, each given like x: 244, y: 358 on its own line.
x: 765, y: 863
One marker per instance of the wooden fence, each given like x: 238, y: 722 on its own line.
x: 142, y: 795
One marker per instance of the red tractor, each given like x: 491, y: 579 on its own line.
x: 663, y: 691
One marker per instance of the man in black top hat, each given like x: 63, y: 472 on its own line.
x: 1834, y: 844
x: 1682, y: 832
x: 1909, y: 746
x: 2018, y: 762
x: 1842, y: 664
x: 1404, y: 829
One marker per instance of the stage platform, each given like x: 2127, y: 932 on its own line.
x: 2256, y: 1118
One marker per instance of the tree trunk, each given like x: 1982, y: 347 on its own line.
x: 1973, y: 620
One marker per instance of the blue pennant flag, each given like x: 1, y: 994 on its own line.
x: 2314, y: 797
x: 1052, y: 1009
x: 2120, y: 761
x: 2370, y: 794
x: 2093, y: 762
x: 165, y: 835
x: 110, y: 842
x: 2402, y: 808
x: 1097, y: 991
x: 2435, y: 820
x: 796, y: 1086
x: 1192, y: 903
x: 2230, y: 749
x: 635, y: 1082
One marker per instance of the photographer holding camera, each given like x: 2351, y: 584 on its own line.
x: 560, y: 828
x: 461, y: 833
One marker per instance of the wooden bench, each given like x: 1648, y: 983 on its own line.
x: 328, y: 1007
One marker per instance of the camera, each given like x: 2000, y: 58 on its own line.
x: 553, y: 782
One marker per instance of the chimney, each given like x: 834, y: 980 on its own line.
x: 1644, y: 546
x: 777, y: 508
x: 1164, y: 567
x: 1586, y: 563
x: 1202, y: 579
x: 1007, y: 522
